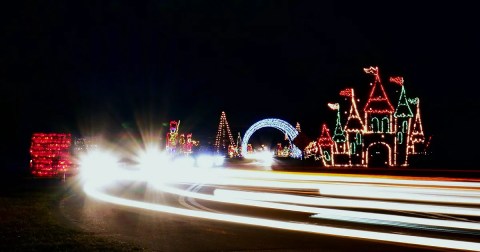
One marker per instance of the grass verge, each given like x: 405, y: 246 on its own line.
x: 29, y: 219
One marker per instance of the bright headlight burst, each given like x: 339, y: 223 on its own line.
x: 98, y: 166
x: 205, y: 161
x: 219, y: 160
x: 184, y: 162
x: 152, y: 163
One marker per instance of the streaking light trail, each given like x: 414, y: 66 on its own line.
x: 281, y: 191
x: 318, y: 229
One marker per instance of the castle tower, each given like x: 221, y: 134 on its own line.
x: 379, y: 135
x: 416, y: 144
x: 339, y: 137
x: 403, y: 118
x: 354, y: 130
x: 326, y: 146
x: 378, y: 109
x: 224, y: 137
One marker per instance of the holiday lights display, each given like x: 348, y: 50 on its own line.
x: 178, y: 144
x: 187, y: 144
x: 50, y: 154
x: 281, y: 125
x: 239, y: 145
x: 386, y: 136
x: 326, y: 144
x: 312, y: 151
x: 417, y: 137
x: 297, y: 127
x: 249, y: 149
x: 224, y: 139
x: 172, y: 137
x: 84, y: 144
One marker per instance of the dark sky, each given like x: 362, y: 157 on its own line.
x: 93, y: 66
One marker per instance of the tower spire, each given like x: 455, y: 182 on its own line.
x: 417, y: 136
x: 378, y: 101
x: 403, y: 108
x: 354, y: 122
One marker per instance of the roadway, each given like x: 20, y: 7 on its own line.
x: 234, y: 209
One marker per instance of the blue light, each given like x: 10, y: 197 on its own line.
x: 281, y: 125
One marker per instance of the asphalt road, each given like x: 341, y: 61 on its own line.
x: 156, y: 230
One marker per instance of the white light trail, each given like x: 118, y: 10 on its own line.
x: 241, y: 198
x: 402, y: 193
x: 159, y: 171
x: 318, y: 229
x: 362, y: 204
x: 351, y: 178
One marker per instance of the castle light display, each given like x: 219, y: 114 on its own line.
x: 50, y: 154
x: 385, y: 136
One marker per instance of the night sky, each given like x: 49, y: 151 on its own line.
x: 108, y: 66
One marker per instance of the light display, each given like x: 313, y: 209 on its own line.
x: 325, y: 144
x: 239, y: 145
x: 187, y: 144
x: 50, y: 154
x: 325, y: 140
x: 172, y: 137
x: 354, y: 121
x: 378, y: 102
x: 297, y: 127
x: 249, y: 148
x: 224, y: 137
x: 83, y: 144
x: 417, y: 137
x: 386, y: 136
x: 312, y: 150
x: 281, y: 125
x: 179, y: 144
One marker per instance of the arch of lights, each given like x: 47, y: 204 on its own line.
x: 380, y: 143
x: 279, y: 124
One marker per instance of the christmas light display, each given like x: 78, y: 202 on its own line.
x: 378, y: 102
x: 179, y: 144
x: 297, y: 127
x: 239, y: 145
x: 339, y: 134
x: 326, y: 144
x: 417, y: 137
x: 386, y: 136
x: 187, y: 144
x: 281, y: 125
x: 50, y: 154
x: 249, y: 149
x: 354, y: 121
x: 312, y: 151
x: 224, y: 137
x: 84, y: 144
x: 172, y: 137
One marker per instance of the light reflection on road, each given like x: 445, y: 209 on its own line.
x: 319, y: 196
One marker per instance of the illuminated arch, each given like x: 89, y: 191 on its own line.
x: 281, y: 125
x: 380, y: 143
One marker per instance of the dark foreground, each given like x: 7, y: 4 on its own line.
x: 30, y: 219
